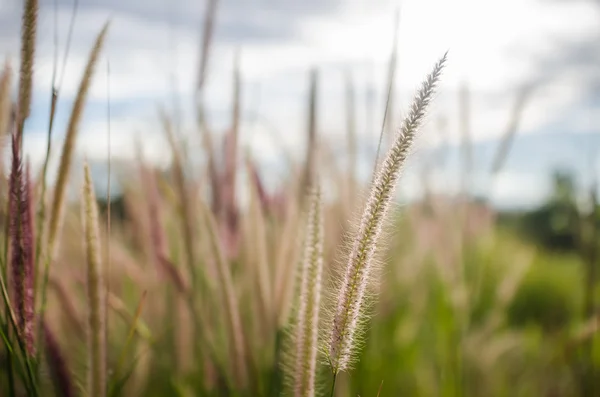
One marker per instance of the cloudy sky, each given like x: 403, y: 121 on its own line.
x: 496, y: 48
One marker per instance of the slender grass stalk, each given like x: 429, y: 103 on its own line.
x: 523, y: 97
x: 28, y: 36
x: 60, y: 374
x: 285, y: 263
x: 5, y: 102
x: 307, y: 323
x: 258, y: 237
x: 66, y: 301
x: 95, y: 291
x: 349, y: 311
x: 108, y: 201
x: 185, y: 210
x: 56, y: 213
x: 333, y: 385
x: 132, y: 329
x: 229, y: 216
x: 54, y: 95
x: 309, y: 163
x: 236, y: 335
x: 351, y: 138
x: 387, y: 117
x: 69, y: 144
x: 207, y: 34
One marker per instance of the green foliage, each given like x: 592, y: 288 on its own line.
x: 549, y: 297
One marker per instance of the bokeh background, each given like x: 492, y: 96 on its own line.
x: 490, y: 277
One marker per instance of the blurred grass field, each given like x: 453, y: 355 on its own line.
x: 471, y: 301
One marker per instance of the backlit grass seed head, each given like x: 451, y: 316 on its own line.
x: 95, y: 292
x: 349, y: 310
x: 307, y: 322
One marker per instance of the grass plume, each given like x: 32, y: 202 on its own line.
x: 22, y: 250
x: 307, y: 322
x: 28, y: 36
x: 349, y: 310
x: 95, y: 291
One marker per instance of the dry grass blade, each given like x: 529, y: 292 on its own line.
x: 351, y: 136
x: 233, y: 318
x: 66, y: 303
x: 311, y: 156
x: 464, y: 101
x: 285, y: 261
x: 258, y: 241
x: 387, y: 115
x: 132, y: 329
x: 209, y: 18
x: 5, y: 101
x: 185, y: 210
x: 64, y: 169
x: 228, y: 218
x: 513, y: 125
x: 60, y: 374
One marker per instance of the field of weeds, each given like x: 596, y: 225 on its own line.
x: 323, y: 287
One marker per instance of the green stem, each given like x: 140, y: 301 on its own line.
x: 333, y: 384
x: 11, y: 375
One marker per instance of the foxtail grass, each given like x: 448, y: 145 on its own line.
x: 21, y: 247
x: 307, y: 321
x: 28, y: 38
x: 349, y: 313
x: 95, y: 291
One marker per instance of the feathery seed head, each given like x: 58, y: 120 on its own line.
x: 307, y: 321
x: 95, y: 291
x: 349, y: 311
x: 21, y: 244
x: 28, y: 32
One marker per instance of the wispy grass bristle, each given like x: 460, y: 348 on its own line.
x: 349, y: 309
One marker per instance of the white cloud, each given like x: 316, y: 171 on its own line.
x: 491, y: 46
